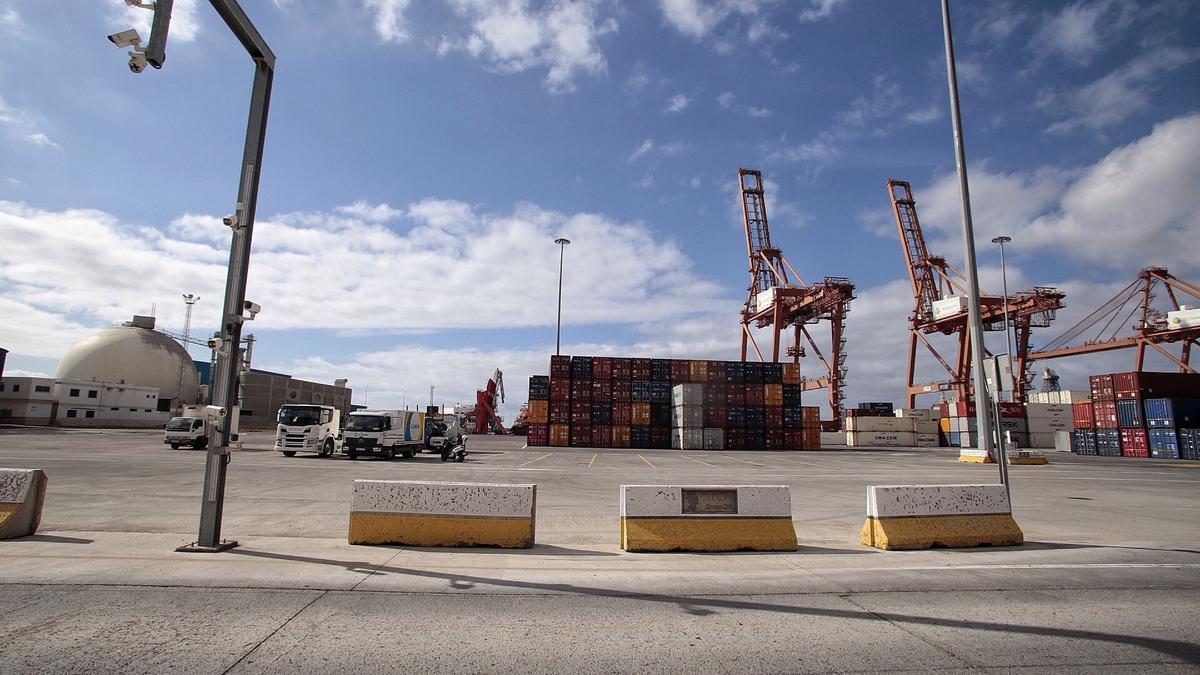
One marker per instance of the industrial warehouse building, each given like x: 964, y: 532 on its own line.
x: 264, y: 392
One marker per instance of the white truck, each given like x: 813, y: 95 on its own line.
x: 445, y: 429
x: 196, y: 425
x: 308, y: 428
x: 384, y: 433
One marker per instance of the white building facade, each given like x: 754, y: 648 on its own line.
x: 78, y: 403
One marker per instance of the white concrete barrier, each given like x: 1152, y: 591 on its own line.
x: 22, y: 493
x: 952, y: 516
x: 1015, y: 456
x: 707, y: 518
x: 417, y: 513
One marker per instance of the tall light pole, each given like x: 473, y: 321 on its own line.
x: 1008, y: 346
x: 983, y: 415
x: 562, y: 245
x: 431, y: 395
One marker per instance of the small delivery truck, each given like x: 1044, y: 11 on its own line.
x: 384, y: 433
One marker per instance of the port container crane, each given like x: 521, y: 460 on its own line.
x: 487, y: 401
x: 1152, y: 329
x: 940, y: 307
x: 774, y: 300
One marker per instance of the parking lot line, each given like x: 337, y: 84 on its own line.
x: 648, y: 462
x: 593, y: 460
x: 539, y: 458
x: 700, y: 461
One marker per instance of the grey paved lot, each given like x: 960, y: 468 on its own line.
x: 1109, y: 578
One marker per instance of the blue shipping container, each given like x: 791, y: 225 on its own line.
x: 1164, y: 444
x: 1108, y: 442
x: 1083, y: 441
x: 1129, y: 415
x: 1189, y: 443
x: 955, y: 437
x: 1163, y: 413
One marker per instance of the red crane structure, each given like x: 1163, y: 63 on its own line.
x: 934, y: 282
x: 1152, y: 328
x: 774, y: 300
x: 487, y: 400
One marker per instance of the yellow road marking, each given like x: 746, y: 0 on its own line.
x: 701, y: 461
x: 539, y: 458
x: 593, y: 460
x: 648, y: 462
x: 768, y: 466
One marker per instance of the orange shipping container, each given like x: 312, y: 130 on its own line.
x: 539, y: 412
x: 560, y: 435
x: 620, y: 436
x: 699, y: 371
x: 791, y: 373
x: 640, y: 414
x: 773, y: 394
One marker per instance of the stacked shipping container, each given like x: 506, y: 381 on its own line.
x: 1139, y: 414
x: 627, y: 403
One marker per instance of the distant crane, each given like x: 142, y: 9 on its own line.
x: 189, y: 300
x: 934, y: 281
x: 487, y: 401
x: 1152, y: 328
x: 1050, y: 381
x: 774, y: 300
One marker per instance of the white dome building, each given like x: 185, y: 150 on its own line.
x: 135, y: 354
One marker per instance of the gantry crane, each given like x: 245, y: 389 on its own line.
x: 775, y: 300
x: 1151, y: 330
x: 487, y: 400
x: 933, y: 280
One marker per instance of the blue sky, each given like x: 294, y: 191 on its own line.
x: 422, y: 157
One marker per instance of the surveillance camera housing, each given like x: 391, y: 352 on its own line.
x: 230, y: 221
x: 139, y: 3
x: 137, y: 62
x: 252, y: 309
x: 126, y: 38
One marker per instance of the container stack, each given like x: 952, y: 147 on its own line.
x: 1170, y: 420
x: 1083, y: 438
x: 662, y: 403
x: 1047, y: 419
x: 538, y: 414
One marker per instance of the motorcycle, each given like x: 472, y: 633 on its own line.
x: 456, y: 453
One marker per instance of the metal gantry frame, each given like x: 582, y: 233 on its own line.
x: 1150, y: 330
x: 774, y: 300
x: 933, y: 278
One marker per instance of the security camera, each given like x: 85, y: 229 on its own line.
x: 126, y: 38
x: 137, y: 61
x: 216, y: 344
x: 139, y: 3
x: 252, y: 308
x: 230, y: 221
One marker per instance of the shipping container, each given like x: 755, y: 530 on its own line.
x: 715, y: 416
x: 772, y: 373
x: 714, y: 394
x: 581, y: 368
x: 1134, y: 443
x: 660, y: 438
x: 687, y: 394
x: 687, y: 439
x: 1083, y: 441
x: 878, y: 406
x: 621, y: 369
x: 639, y: 435
x: 1011, y: 409
x: 639, y: 415
x: 1102, y: 388
x: 538, y: 412
x: 714, y: 439
x: 735, y: 373
x: 639, y: 391
x: 773, y: 439
x: 660, y: 371
x: 539, y: 388
x: 560, y: 389
x: 792, y: 394
x: 602, y: 369
x: 735, y: 416
x: 1106, y: 414
x: 560, y: 367
x: 773, y: 416
x: 681, y: 371
x: 752, y: 372
x: 620, y: 436
x: 601, y: 391
x: 660, y: 392
x: 699, y: 371
x: 772, y: 394
x: 601, y: 436
x: 640, y: 369
x: 1144, y: 384
x: 1172, y: 412
x: 687, y: 417
x: 755, y: 394
x: 793, y: 418
x: 581, y: 390
x: 735, y: 394
x: 716, y: 374
x: 1108, y: 442
x: 581, y: 436
x: 1189, y: 443
x: 622, y: 414
x: 1164, y: 444
x: 1083, y: 415
x: 581, y: 413
x: 560, y: 412
x: 735, y: 438
x: 883, y: 424
x: 560, y: 435
x: 755, y: 417
x: 793, y: 439
x: 880, y: 439
x: 601, y: 416
x: 660, y: 415
x: 622, y: 391
x: 538, y: 435
x: 1129, y: 414
x: 755, y: 439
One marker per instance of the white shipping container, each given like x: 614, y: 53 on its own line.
x: 687, y: 394
x: 1056, y: 410
x: 891, y: 424
x: 714, y: 439
x: 1043, y: 440
x: 927, y: 440
x: 926, y: 427
x: 880, y: 439
x: 948, y: 307
x: 1184, y: 317
x: 915, y: 413
x: 1048, y: 425
x: 687, y: 439
x: 963, y: 424
x: 968, y: 440
x: 687, y: 417
x: 1062, y: 441
x: 833, y: 438
x: 1069, y: 396
x: 764, y: 299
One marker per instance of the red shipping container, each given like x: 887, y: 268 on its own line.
x: 581, y: 390
x: 735, y: 439
x: 716, y: 372
x: 1081, y: 412
x: 602, y: 436
x: 622, y: 414
x: 1012, y: 409
x: 1147, y: 384
x: 560, y: 412
x: 681, y: 371
x: 793, y: 439
x: 715, y: 416
x: 581, y: 436
x: 560, y: 366
x: 601, y: 369
x: 660, y: 438
x: 601, y: 391
x: 538, y: 435
x: 1106, y: 414
x: 773, y: 439
x: 1102, y: 388
x: 560, y: 389
x: 714, y: 394
x: 963, y: 409
x: 754, y: 394
x: 640, y: 369
x: 620, y: 436
x: 735, y: 394
x: 1134, y: 443
x: 773, y: 416
x: 621, y: 391
x: 621, y: 369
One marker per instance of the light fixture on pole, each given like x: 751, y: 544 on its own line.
x: 562, y: 245
x: 1002, y: 240
x: 431, y: 395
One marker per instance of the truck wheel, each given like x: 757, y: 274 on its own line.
x: 410, y: 453
x: 200, y: 443
x: 352, y: 454
x: 174, y: 446
x: 289, y: 453
x: 389, y: 454
x: 327, y: 448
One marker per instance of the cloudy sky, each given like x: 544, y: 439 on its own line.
x: 423, y: 156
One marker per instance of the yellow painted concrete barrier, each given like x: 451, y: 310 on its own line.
x: 417, y: 513
x: 927, y: 516
x: 1015, y: 456
x: 706, y: 518
x: 22, y: 493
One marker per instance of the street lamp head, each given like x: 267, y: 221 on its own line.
x: 1001, y: 240
x: 562, y: 241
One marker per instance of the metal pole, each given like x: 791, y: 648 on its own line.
x: 562, y: 245
x: 1008, y: 342
x: 982, y: 413
x: 431, y: 394
x: 224, y: 391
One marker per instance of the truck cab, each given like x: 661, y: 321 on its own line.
x: 308, y: 428
x: 195, y: 426
x: 384, y: 433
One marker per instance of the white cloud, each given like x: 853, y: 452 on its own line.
x: 999, y: 21
x: 924, y: 115
x: 695, y: 18
x: 1116, y: 96
x: 649, y: 147
x: 390, y: 23
x: 1075, y: 32
x: 22, y: 126
x: 9, y: 18
x: 678, y: 103
x: 818, y: 150
x: 512, y: 37
x: 725, y: 99
x: 40, y: 138
x: 184, y: 23
x: 376, y: 213
x: 820, y: 10
x: 641, y: 151
x: 758, y: 112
